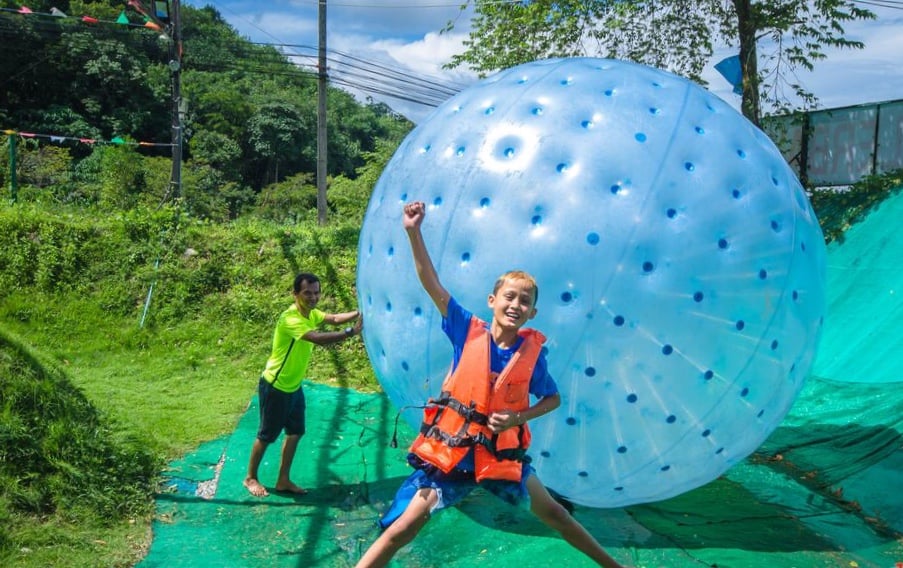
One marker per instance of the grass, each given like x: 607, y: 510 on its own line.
x: 151, y: 393
x: 56, y: 542
x: 73, y: 489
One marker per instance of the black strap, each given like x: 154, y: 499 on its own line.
x: 470, y: 414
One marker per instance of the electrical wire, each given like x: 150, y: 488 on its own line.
x: 342, y: 69
x: 400, y: 79
x: 892, y: 4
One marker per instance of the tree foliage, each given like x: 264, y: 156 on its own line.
x: 249, y: 113
x: 775, y: 38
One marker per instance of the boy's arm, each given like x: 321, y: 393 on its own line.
x: 413, y: 217
x: 505, y: 419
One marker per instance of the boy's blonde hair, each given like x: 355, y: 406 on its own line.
x: 518, y: 275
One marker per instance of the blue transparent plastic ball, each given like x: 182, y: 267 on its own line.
x: 681, y: 268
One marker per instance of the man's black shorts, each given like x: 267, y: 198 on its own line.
x: 279, y: 411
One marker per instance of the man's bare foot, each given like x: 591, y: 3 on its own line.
x: 290, y: 488
x: 255, y: 488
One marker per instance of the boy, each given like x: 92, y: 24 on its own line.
x: 495, y: 366
x: 279, y: 390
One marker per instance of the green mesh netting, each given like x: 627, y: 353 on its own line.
x: 862, y: 341
x: 825, y: 490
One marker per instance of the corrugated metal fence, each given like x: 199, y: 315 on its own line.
x: 841, y: 145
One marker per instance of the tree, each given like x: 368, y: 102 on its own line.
x: 676, y: 35
x: 281, y: 133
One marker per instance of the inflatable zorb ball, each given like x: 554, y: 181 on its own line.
x: 680, y: 266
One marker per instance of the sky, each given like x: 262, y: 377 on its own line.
x: 394, y: 50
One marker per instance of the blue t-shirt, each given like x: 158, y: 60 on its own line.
x: 456, y: 325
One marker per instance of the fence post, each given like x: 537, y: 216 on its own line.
x: 13, y: 182
x: 805, y: 134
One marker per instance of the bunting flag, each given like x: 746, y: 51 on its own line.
x: 123, y: 19
x: 59, y: 139
x: 729, y: 67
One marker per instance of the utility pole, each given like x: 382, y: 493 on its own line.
x: 175, y: 67
x: 321, y: 116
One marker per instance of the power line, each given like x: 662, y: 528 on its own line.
x: 401, y: 78
x: 361, y: 73
x: 408, y: 6
x: 345, y: 69
x: 451, y: 86
x: 892, y: 4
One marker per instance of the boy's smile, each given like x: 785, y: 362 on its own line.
x: 512, y: 304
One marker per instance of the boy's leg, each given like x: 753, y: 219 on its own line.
x: 556, y: 516
x: 402, y: 531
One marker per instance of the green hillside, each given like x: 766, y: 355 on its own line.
x: 94, y: 402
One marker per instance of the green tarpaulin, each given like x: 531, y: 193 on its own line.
x: 825, y: 490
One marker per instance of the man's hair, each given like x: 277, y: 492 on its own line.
x: 302, y: 278
x: 517, y: 275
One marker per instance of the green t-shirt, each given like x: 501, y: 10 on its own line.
x: 288, y: 361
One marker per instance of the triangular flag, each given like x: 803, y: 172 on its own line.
x: 25, y: 10
x: 729, y: 67
x: 89, y: 20
x: 57, y: 139
x: 122, y: 19
x: 117, y: 140
x: 150, y: 25
x: 58, y: 13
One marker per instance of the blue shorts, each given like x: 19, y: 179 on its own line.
x: 279, y: 410
x: 451, y: 488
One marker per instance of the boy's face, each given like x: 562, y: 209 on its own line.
x: 308, y: 295
x: 512, y: 305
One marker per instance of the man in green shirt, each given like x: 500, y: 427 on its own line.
x: 279, y: 391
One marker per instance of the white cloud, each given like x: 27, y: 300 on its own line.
x: 426, y: 55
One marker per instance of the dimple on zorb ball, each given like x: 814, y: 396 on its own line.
x: 680, y: 268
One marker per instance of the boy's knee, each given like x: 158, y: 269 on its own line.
x: 400, y: 533
x: 553, y: 514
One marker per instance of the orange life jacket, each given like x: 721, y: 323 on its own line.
x: 457, y: 420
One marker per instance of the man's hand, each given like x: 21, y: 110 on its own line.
x: 358, y: 325
x: 414, y: 212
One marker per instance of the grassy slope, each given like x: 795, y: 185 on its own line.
x: 72, y: 488
x: 74, y: 289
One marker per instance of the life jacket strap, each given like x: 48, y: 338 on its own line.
x: 515, y: 454
x: 468, y: 412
